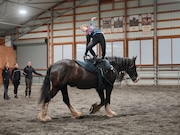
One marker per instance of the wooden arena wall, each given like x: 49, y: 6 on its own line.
x: 154, y: 48
x: 7, y: 54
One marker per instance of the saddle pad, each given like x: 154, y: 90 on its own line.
x: 88, y: 64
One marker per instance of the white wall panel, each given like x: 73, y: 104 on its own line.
x: 67, y: 51
x: 168, y: 32
x: 62, y: 40
x: 117, y: 13
x: 164, y: 51
x: 63, y: 19
x: 119, y: 5
x: 118, y: 49
x: 168, y: 7
x: 86, y: 16
x: 63, y: 33
x: 146, y: 2
x: 139, y: 10
x: 81, y: 38
x: 88, y: 2
x: 86, y: 9
x: 114, y: 36
x: 80, y: 49
x: 58, y: 51
x: 165, y: 16
x: 63, y: 26
x: 41, y: 28
x: 34, y: 35
x: 106, y: 6
x: 134, y: 50
x: 132, y: 3
x: 168, y: 24
x: 165, y: 1
x: 138, y: 34
x: 109, y: 49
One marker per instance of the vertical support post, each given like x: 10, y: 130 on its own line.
x: 178, y: 75
x: 156, y: 75
x: 125, y: 30
x: 74, y: 32
x: 155, y: 41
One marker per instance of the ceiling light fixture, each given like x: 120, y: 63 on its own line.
x: 22, y: 12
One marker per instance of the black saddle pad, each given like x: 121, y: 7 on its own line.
x: 91, y: 67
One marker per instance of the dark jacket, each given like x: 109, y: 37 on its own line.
x: 16, y: 74
x: 6, y: 75
x: 28, y: 72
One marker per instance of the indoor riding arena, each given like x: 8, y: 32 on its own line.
x: 45, y: 91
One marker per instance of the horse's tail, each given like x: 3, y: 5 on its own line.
x: 46, y: 86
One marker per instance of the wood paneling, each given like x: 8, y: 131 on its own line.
x: 7, y: 54
x: 2, y: 41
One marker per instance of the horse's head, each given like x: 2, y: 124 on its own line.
x: 131, y: 70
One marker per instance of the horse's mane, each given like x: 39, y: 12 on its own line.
x: 119, y: 63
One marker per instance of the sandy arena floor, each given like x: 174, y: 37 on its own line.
x: 142, y: 110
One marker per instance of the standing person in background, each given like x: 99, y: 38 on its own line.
x: 28, y: 72
x: 6, y: 75
x: 16, y: 77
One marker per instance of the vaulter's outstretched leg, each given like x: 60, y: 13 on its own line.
x: 109, y: 112
x: 42, y: 116
x: 74, y: 112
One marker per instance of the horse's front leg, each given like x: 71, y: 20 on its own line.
x: 74, y: 112
x: 96, y: 107
x: 109, y: 112
x: 42, y: 116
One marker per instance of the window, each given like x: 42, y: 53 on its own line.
x: 143, y: 49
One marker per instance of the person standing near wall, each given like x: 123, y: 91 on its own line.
x: 6, y: 76
x: 28, y: 72
x: 16, y: 76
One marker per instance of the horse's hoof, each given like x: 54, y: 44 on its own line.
x: 79, y: 115
x: 48, y: 118
x: 111, y: 114
x: 92, y: 109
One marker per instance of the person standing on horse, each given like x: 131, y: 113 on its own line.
x: 97, y: 37
x: 6, y: 76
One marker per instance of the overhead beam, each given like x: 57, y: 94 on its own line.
x: 11, y: 24
x: 54, y: 17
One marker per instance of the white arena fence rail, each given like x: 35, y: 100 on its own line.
x: 155, y: 75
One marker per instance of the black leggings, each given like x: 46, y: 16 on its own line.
x: 6, y: 85
x: 16, y: 84
x: 97, y: 38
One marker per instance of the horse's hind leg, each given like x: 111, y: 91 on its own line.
x: 42, y: 116
x: 109, y: 112
x: 74, y: 112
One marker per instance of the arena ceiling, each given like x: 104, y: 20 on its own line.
x: 15, y: 13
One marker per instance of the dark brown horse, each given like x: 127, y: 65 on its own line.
x: 68, y: 72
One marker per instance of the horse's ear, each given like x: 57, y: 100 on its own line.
x: 134, y: 58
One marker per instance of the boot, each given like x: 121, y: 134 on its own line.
x: 26, y: 93
x: 29, y: 93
